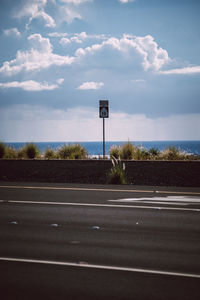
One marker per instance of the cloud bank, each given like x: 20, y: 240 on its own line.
x: 41, y: 55
x: 36, y: 123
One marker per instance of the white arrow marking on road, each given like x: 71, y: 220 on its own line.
x: 171, y: 200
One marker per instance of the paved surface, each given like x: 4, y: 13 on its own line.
x: 60, y: 241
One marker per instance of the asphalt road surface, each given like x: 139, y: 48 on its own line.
x: 61, y: 241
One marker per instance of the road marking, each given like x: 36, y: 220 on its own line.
x: 100, y: 205
x: 168, y: 199
x: 74, y: 189
x: 94, y: 266
x: 97, y: 189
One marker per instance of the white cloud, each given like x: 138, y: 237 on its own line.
x: 30, y: 8
x: 81, y: 36
x: 40, y: 43
x: 41, y: 55
x: 153, y: 56
x: 97, y: 36
x: 38, y: 58
x: 91, y: 85
x: 35, y: 123
x: 76, y: 2
x: 60, y: 80
x: 184, y: 71
x: 68, y: 14
x: 58, y: 34
x: 77, y: 38
x: 126, y: 1
x: 31, y: 85
x: 64, y: 41
x: 12, y: 31
x: 89, y: 50
x: 35, y: 9
x: 47, y: 18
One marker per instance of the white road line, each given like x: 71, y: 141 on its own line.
x: 94, y: 266
x: 100, y: 205
x: 97, y: 189
x: 73, y: 189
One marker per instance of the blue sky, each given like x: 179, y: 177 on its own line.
x: 58, y: 58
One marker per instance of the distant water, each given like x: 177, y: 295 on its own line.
x: 95, y: 148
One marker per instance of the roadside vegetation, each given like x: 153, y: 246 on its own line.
x: 50, y: 154
x: 127, y: 151
x: 2, y: 150
x: 72, y: 152
x: 117, y: 173
x: 29, y: 151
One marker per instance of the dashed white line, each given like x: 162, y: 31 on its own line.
x: 103, y: 267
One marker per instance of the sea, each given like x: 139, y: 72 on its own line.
x: 96, y: 148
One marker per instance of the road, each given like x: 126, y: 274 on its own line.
x: 61, y: 241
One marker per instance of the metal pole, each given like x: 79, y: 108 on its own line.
x: 104, y: 138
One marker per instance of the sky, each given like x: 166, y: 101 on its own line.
x: 58, y: 58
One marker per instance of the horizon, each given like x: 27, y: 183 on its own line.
x: 100, y: 141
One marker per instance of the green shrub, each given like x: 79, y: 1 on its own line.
x: 117, y: 173
x: 49, y: 154
x: 127, y: 151
x: 141, y: 154
x: 10, y: 153
x: 72, y: 152
x: 154, y: 153
x: 31, y: 151
x: 172, y: 153
x: 21, y: 153
x: 2, y: 149
x: 115, y: 151
x: 192, y: 157
x: 79, y: 152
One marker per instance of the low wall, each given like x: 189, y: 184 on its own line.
x: 165, y: 173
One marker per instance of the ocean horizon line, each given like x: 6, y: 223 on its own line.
x: 99, y: 141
